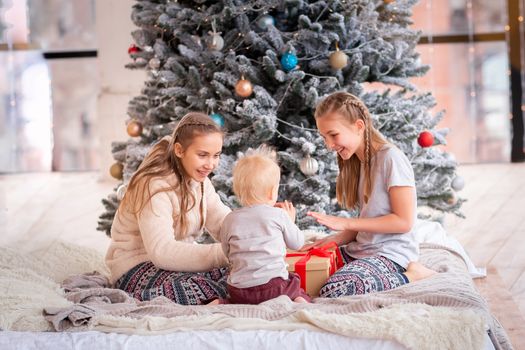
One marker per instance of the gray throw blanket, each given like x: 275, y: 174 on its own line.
x: 452, y: 287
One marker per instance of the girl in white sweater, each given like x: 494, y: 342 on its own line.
x: 168, y: 203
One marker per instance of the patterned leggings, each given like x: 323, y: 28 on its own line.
x: 145, y: 282
x: 362, y: 276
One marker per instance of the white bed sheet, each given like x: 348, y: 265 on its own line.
x: 226, y: 339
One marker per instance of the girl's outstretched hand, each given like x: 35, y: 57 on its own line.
x: 319, y: 242
x: 335, y: 223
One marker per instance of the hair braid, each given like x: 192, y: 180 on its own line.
x: 368, y: 158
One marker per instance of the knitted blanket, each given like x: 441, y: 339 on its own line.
x: 443, y: 312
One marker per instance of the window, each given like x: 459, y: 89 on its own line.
x: 48, y: 99
x: 465, y: 44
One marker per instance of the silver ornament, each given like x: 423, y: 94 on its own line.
x: 458, y: 183
x: 215, y: 42
x: 121, y: 191
x: 265, y: 21
x: 154, y: 63
x: 309, y: 166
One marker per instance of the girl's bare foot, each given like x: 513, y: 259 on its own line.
x: 214, y: 302
x: 416, y: 271
x: 300, y: 300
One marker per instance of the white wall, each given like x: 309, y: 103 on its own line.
x: 117, y: 84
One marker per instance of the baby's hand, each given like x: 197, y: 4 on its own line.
x: 288, y: 208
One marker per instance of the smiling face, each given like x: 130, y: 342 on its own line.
x: 342, y: 136
x: 201, y: 156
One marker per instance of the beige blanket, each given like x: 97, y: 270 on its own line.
x: 444, y: 311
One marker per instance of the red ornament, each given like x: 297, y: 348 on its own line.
x: 425, y: 139
x: 133, y: 49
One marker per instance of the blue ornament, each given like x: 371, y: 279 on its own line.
x: 265, y: 21
x: 218, y: 119
x: 289, y: 61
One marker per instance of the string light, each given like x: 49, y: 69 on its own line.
x: 430, y: 30
x: 509, y: 71
x: 472, y: 74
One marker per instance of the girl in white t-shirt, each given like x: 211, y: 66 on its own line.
x: 379, y: 248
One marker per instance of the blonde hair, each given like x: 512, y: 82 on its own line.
x: 161, y: 161
x: 255, y: 174
x: 351, y: 108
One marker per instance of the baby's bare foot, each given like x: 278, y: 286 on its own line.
x: 300, y: 300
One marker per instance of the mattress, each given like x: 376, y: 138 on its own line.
x: 226, y: 339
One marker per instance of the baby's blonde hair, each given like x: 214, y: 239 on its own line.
x: 255, y: 175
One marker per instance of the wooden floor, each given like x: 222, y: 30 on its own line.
x: 37, y: 209
x: 494, y: 236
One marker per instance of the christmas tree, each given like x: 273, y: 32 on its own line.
x: 260, y: 67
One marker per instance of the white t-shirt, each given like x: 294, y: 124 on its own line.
x: 254, y: 239
x: 390, y: 167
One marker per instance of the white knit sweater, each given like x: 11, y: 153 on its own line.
x: 155, y: 234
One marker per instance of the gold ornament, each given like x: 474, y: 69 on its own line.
x: 244, y: 88
x: 452, y: 200
x: 338, y: 59
x: 134, y: 128
x: 388, y: 1
x: 116, y: 170
x: 309, y: 166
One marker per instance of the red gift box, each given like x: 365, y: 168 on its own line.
x: 315, y: 266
